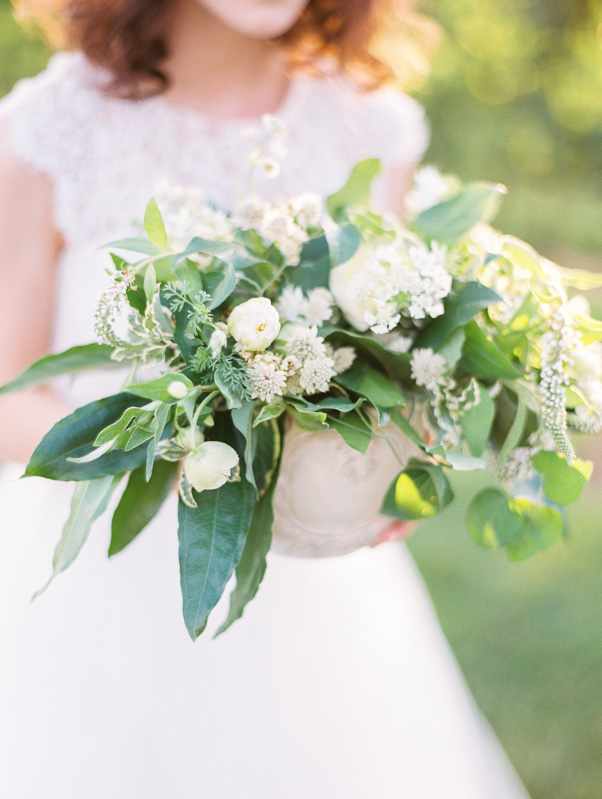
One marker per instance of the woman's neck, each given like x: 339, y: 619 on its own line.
x: 221, y: 72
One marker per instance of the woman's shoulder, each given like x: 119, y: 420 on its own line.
x: 43, y: 115
x: 384, y: 123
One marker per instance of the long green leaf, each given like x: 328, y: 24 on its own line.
x: 212, y: 537
x: 356, y: 190
x: 371, y: 384
x: 140, y: 503
x: 74, y: 436
x: 482, y: 357
x: 76, y: 359
x: 153, y: 225
x: 252, y: 565
x: 90, y: 500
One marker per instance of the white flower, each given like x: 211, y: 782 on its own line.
x: 341, y: 278
x: 319, y: 306
x: 291, y: 304
x: 254, y: 324
x: 307, y: 209
x: 280, y: 227
x: 267, y: 379
x: 304, y: 342
x: 278, y: 150
x: 430, y: 187
x: 315, y: 374
x: 270, y: 167
x: 210, y: 465
x: 218, y: 339
x: 249, y: 214
x: 177, y: 389
x: 428, y: 368
x: 343, y: 358
x: 274, y: 126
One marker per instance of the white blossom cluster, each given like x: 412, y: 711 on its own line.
x: 429, y: 370
x: 405, y: 275
x: 303, y: 365
x: 586, y: 371
x: 313, y: 309
x: 268, y: 146
x: 110, y: 307
x: 430, y: 188
x: 186, y: 216
x: 283, y: 224
x: 557, y: 346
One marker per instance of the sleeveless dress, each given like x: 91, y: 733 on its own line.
x: 338, y: 681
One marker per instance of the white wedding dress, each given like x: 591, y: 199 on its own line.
x: 338, y: 681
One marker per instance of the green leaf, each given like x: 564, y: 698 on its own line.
x: 482, y: 357
x: 491, y: 521
x: 140, y: 502
x: 252, y: 565
x: 476, y: 423
x: 273, y: 410
x: 150, y: 282
x: 357, y: 189
x: 515, y: 434
x: 562, y: 483
x: 397, y: 365
x: 341, y: 404
x: 462, y: 305
x: 153, y: 225
x: 343, y: 243
x: 373, y: 385
x: 305, y: 418
x: 266, y: 453
x: 157, y: 389
x: 233, y: 400
x: 211, y: 537
x: 219, y: 285
x: 74, y: 436
x: 590, y: 328
x: 76, y: 359
x: 580, y: 278
x: 243, y: 421
x: 313, y: 270
x: 542, y: 526
x: 90, y: 500
x: 420, y: 491
x: 451, y: 349
x: 404, y: 425
x: 449, y: 221
x: 353, y: 430
x: 141, y: 246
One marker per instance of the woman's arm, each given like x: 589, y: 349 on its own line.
x: 29, y: 247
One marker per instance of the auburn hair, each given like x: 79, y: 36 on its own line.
x: 129, y: 37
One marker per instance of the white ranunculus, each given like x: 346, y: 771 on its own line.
x: 340, y: 278
x: 210, y: 465
x: 254, y: 324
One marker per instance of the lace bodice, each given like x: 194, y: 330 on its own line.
x: 105, y: 156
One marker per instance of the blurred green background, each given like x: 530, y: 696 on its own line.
x: 514, y: 96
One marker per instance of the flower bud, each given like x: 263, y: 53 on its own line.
x: 190, y: 439
x: 210, y: 465
x: 177, y: 389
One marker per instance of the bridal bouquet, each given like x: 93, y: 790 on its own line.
x: 335, y: 316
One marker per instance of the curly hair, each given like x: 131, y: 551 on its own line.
x: 128, y: 37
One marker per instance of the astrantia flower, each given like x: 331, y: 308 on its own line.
x: 315, y: 374
x: 307, y: 209
x: 428, y: 368
x: 274, y: 126
x: 269, y: 166
x: 249, y: 214
x: 343, y: 358
x: 304, y: 342
x: 267, y: 379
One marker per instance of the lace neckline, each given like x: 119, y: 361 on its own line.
x: 95, y: 76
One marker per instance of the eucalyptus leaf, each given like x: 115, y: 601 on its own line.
x: 490, y: 519
x: 211, y: 537
x: 74, y: 360
x: 562, y: 483
x: 343, y: 243
x: 420, y: 491
x: 140, y: 502
x: 90, y: 500
x: 542, y: 526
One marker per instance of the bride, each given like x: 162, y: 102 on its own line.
x: 338, y: 681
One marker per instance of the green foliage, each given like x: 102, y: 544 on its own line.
x: 357, y: 189
x: 74, y: 437
x: 212, y: 537
x: 451, y: 220
x: 562, y: 483
x: 371, y: 384
x: 421, y: 490
x: 90, y: 500
x: 72, y: 361
x: 140, y: 502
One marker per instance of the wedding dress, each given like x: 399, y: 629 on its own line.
x: 338, y: 681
